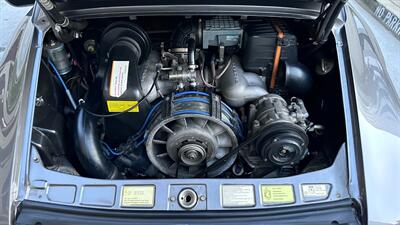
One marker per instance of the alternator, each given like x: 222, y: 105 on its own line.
x: 191, y: 131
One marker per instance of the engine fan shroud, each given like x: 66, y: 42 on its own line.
x: 190, y: 133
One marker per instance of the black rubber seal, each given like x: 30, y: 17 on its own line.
x: 339, y: 212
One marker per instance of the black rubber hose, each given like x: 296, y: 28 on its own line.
x: 191, y: 50
x: 183, y: 33
x: 89, y: 149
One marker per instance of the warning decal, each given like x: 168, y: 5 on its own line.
x: 277, y: 194
x: 119, y: 78
x: 138, y: 196
x: 121, y: 106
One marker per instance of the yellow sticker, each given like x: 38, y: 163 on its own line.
x: 277, y: 194
x: 138, y: 196
x: 120, y: 106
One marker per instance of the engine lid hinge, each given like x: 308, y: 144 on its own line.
x: 329, y: 12
x: 64, y: 29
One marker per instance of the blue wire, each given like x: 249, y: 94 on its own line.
x: 224, y: 104
x: 191, y: 92
x: 237, y: 126
x: 140, y: 142
x: 110, y: 150
x: 184, y: 100
x: 147, y: 120
x: 181, y: 112
x: 226, y: 109
x: 58, y: 75
x: 67, y: 92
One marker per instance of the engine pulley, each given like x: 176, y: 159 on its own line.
x: 191, y: 131
x: 283, y: 140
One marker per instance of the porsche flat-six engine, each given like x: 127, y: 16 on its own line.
x: 219, y: 97
x: 182, y: 112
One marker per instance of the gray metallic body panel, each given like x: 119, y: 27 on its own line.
x: 17, y: 88
x: 68, y: 189
x: 378, y: 109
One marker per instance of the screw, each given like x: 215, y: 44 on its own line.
x: 90, y: 48
x: 52, y: 42
x: 203, y: 198
x: 39, y: 101
x: 172, y: 198
x: 339, y: 43
x: 36, y: 159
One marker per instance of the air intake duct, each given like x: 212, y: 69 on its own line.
x: 125, y: 47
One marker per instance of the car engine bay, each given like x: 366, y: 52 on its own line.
x: 199, y: 97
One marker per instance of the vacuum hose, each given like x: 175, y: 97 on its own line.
x: 90, y: 150
x: 121, y: 41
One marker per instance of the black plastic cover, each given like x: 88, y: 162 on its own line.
x: 337, y: 212
x: 260, y: 45
x: 128, y: 43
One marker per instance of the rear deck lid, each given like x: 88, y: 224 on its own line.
x: 324, y: 12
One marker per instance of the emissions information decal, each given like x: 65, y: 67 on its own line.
x: 119, y: 78
x: 312, y: 192
x: 120, y: 106
x: 238, y: 196
x: 138, y: 196
x: 277, y: 194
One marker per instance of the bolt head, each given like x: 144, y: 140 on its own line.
x: 57, y: 28
x: 91, y: 48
